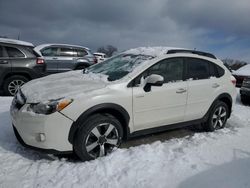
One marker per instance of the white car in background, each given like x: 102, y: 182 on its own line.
x: 100, y: 56
x: 139, y: 91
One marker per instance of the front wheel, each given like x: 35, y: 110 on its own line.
x: 218, y: 117
x: 97, y: 137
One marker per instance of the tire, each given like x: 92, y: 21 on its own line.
x: 217, y: 117
x: 12, y: 84
x: 97, y: 136
x: 80, y: 67
x: 244, y: 99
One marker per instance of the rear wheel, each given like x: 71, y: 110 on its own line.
x: 218, y: 117
x: 13, y: 83
x: 97, y: 137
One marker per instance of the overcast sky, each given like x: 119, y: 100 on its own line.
x: 218, y: 26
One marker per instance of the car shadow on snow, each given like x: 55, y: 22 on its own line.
x: 233, y: 174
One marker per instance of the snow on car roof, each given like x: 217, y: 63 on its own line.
x: 151, y: 51
x: 39, y: 47
x: 13, y: 41
x: 243, y: 71
x: 99, y: 53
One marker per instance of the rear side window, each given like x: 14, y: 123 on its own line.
x: 50, y: 51
x: 67, y: 52
x: 14, y: 52
x: 201, y: 69
x: 197, y: 69
x: 81, y: 52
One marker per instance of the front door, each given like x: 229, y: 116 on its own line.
x: 165, y: 104
x: 51, y: 56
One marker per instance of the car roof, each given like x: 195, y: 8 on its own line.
x: 243, y: 71
x: 159, y: 51
x: 99, y: 53
x: 17, y: 42
x: 41, y: 46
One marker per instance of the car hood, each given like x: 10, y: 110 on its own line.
x: 63, y: 85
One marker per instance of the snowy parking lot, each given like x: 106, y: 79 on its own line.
x: 197, y: 159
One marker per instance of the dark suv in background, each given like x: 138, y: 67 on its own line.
x: 19, y: 63
x: 245, y: 91
x: 65, y: 57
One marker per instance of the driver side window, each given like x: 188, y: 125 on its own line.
x: 171, y: 69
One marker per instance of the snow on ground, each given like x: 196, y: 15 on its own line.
x: 219, y: 159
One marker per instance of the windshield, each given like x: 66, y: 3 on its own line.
x: 119, y: 66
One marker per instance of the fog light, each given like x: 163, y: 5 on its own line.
x: 41, y: 137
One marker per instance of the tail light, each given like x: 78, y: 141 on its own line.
x: 40, y: 61
x: 233, y: 80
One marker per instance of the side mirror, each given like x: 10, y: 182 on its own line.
x: 153, y: 80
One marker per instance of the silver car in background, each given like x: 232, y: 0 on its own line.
x: 65, y: 57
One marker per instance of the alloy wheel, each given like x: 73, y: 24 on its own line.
x: 219, y: 117
x: 101, y: 140
x: 14, y: 86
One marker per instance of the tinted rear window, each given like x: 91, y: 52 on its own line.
x: 198, y: 69
x: 81, y: 52
x: 67, y: 52
x: 14, y: 52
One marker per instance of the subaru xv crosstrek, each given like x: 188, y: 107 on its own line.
x: 139, y: 91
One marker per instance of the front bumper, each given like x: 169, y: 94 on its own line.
x: 43, y: 132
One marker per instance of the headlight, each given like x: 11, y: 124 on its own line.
x: 50, y: 106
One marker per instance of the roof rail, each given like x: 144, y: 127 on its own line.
x: 192, y: 52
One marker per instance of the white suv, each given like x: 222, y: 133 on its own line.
x: 137, y: 92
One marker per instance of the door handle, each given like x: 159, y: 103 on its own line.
x: 139, y: 96
x: 4, y: 62
x: 215, y: 85
x: 54, y: 58
x: 181, y: 90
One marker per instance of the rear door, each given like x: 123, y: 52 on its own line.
x: 51, y: 56
x: 203, y: 87
x: 66, y: 59
x: 5, y: 64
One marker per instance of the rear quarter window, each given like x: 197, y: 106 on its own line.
x: 14, y: 52
x: 81, y: 52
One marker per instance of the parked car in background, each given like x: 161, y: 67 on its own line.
x: 19, y: 63
x: 241, y: 74
x: 100, y: 56
x: 65, y: 57
x: 245, y: 91
x: 139, y: 91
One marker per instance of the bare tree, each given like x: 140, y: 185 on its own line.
x: 234, y: 64
x: 108, y: 50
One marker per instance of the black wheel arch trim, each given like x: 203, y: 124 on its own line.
x: 221, y: 97
x: 108, y: 108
